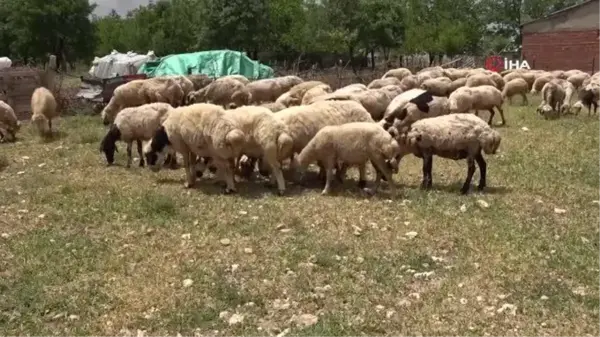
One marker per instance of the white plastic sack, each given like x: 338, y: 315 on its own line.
x: 5, y: 62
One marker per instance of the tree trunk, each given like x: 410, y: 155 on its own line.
x: 372, y: 59
x: 351, y: 55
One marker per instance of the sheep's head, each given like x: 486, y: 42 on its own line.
x: 565, y: 108
x: 157, y: 149
x: 577, y: 107
x: 40, y: 122
x: 108, y: 144
x: 108, y: 113
x: 546, y: 109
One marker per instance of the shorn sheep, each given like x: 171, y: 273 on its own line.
x: 198, y: 130
x: 226, y: 92
x: 134, y: 124
x: 485, y: 97
x: 553, y: 96
x: 517, y: 86
x: 454, y: 136
x: 351, y: 144
x: 9, y: 125
x: 44, y: 110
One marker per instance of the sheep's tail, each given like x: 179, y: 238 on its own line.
x: 285, y: 145
x: 110, y: 138
x: 490, y: 141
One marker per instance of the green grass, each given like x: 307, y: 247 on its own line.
x: 93, y: 250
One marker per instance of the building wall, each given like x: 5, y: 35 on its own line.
x: 562, y: 50
x: 584, y: 17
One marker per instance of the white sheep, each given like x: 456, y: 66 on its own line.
x: 589, y: 96
x: 351, y: 144
x: 382, y: 82
x: 227, y: 92
x: 569, y: 89
x: 399, y: 102
x: 454, y: 136
x: 9, y: 124
x: 553, y: 95
x: 410, y: 82
x: 266, y: 138
x: 461, y: 82
x: 313, y: 93
x: 199, y: 80
x: 240, y: 78
x: 577, y: 79
x: 140, y: 92
x: 516, y: 86
x: 398, y: 73
x: 274, y: 106
x: 411, y: 113
x: 351, y: 88
x: 540, y: 81
x: 134, y: 124
x: 374, y: 100
x: 44, y: 110
x: 485, y: 97
x: 198, y: 130
x: 264, y: 91
x: 294, y: 96
x: 455, y: 74
x: 439, y: 86
x: 480, y: 79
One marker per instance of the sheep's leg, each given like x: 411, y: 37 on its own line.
x: 427, y: 166
x: 492, y: 113
x: 509, y: 100
x: 470, y: 172
x: 50, y: 126
x: 340, y: 173
x: 362, y: 175
x: 482, y: 170
x: 140, y: 152
x: 278, y: 174
x: 383, y: 169
x: 227, y: 169
x: 501, y: 114
x: 189, y: 162
x: 525, y: 101
x: 129, y: 145
x: 329, y: 176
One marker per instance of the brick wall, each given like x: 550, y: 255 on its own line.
x: 562, y: 50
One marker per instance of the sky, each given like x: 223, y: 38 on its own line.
x: 122, y: 6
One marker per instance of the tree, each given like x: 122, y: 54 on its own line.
x: 61, y: 27
x: 383, y: 26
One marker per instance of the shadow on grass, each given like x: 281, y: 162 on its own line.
x: 52, y: 137
x: 455, y: 189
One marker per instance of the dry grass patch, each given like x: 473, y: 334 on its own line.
x: 88, y: 249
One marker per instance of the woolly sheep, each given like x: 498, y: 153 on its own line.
x: 199, y: 81
x: 454, y: 136
x: 353, y: 144
x: 552, y: 96
x: 266, y: 138
x: 198, y: 130
x: 227, y: 92
x: 352, y: 88
x: 382, y: 82
x: 375, y: 101
x: 288, y: 82
x: 589, y: 97
x: 274, y: 106
x: 240, y: 78
x: 134, y: 124
x: 315, y: 92
x: 479, y: 80
x: 294, y: 96
x: 578, y: 79
x: 399, y: 103
x: 9, y: 125
x: 410, y: 82
x: 398, y: 73
x: 498, y: 80
x: 517, y: 86
x: 558, y: 74
x: 455, y: 74
x: 44, y: 109
x: 411, y: 113
x: 461, y: 82
x: 140, y: 92
x: 184, y: 82
x: 572, y: 72
x: 439, y: 86
x: 540, y: 81
x: 569, y: 89
x: 485, y: 97
x: 265, y: 90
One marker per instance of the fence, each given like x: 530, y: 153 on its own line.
x: 19, y: 83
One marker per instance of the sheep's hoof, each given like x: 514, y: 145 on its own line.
x: 229, y: 191
x: 464, y: 190
x: 362, y: 183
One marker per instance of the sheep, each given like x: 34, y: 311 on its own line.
x: 264, y: 91
x: 398, y: 73
x: 315, y: 92
x: 454, y: 136
x: 479, y: 80
x: 288, y: 82
x: 485, y: 97
x: 198, y: 130
x: 588, y: 96
x: 498, y: 80
x: 44, y: 109
x: 399, y: 102
x: 461, y: 82
x: 274, y: 106
x: 375, y: 101
x: 353, y: 144
x: 240, y: 78
x: 558, y: 74
x: 578, y: 79
x: 140, y: 92
x: 552, y: 96
x: 352, y: 88
x: 382, y: 82
x: 540, y: 81
x: 438, y: 106
x: 294, y: 96
x: 199, y: 81
x: 569, y: 89
x: 266, y: 138
x: 184, y: 82
x: 9, y: 124
x: 410, y: 82
x: 455, y: 74
x: 517, y: 86
x: 227, y: 92
x: 439, y: 86
x: 133, y: 124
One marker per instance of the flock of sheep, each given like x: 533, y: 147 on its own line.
x: 233, y: 126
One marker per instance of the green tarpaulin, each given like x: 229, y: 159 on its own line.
x: 214, y: 63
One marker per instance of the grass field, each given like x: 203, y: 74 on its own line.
x: 91, y: 250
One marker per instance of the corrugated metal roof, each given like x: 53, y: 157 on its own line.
x: 560, y: 11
